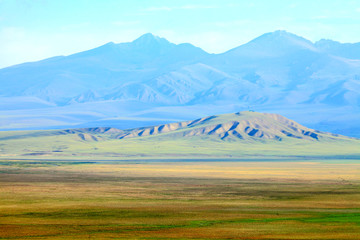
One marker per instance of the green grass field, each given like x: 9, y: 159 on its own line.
x: 238, y: 136
x: 179, y: 200
x: 263, y: 177
x: 70, y: 147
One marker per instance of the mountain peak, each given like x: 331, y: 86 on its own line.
x: 281, y: 33
x: 326, y: 41
x: 274, y: 44
x: 345, y: 50
x: 148, y: 36
x: 282, y: 37
x: 150, y: 39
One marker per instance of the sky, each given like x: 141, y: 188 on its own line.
x: 32, y: 30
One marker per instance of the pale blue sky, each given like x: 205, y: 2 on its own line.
x: 35, y: 29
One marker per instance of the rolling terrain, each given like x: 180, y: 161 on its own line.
x: 238, y: 135
x: 152, y: 81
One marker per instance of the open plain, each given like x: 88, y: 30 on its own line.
x: 180, y: 199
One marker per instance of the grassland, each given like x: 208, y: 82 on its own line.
x: 263, y: 177
x: 179, y: 200
x: 71, y: 147
x: 241, y: 135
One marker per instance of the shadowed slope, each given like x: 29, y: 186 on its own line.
x: 237, y: 135
x: 276, y: 72
x: 245, y: 125
x: 242, y: 125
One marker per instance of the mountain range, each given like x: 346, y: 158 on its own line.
x: 151, y: 81
x: 241, y: 135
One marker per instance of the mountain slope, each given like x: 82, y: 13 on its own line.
x: 238, y: 126
x: 273, y: 44
x: 151, y: 80
x: 64, y: 80
x: 345, y: 50
x: 239, y: 135
x: 285, y: 68
x: 274, y: 68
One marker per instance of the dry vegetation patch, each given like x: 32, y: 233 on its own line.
x: 193, y: 200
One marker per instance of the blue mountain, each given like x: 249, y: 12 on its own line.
x: 150, y: 81
x: 90, y: 75
x: 346, y: 50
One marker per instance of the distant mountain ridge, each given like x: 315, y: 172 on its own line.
x: 246, y: 125
x: 237, y: 135
x: 166, y: 81
x: 96, y: 71
x: 235, y: 126
x: 346, y: 50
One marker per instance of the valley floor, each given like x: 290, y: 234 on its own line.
x: 309, y: 199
